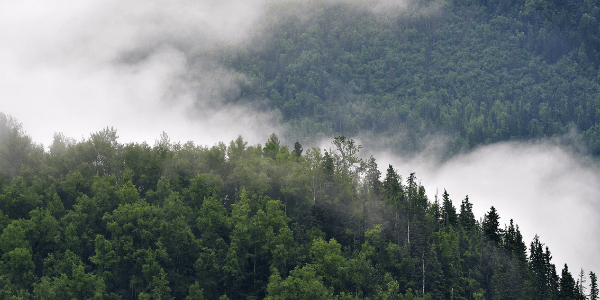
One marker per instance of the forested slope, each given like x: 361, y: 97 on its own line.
x: 476, y: 72
x: 97, y: 219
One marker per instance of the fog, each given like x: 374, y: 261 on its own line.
x: 78, y: 66
x: 545, y: 189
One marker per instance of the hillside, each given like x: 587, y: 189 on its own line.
x: 97, y: 219
x: 475, y: 72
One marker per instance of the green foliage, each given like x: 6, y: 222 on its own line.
x: 251, y: 222
x: 15, y: 146
x: 491, y: 225
x: 475, y: 72
x: 567, y: 285
x: 450, y: 218
x: 302, y: 284
x: 271, y: 148
x: 65, y: 278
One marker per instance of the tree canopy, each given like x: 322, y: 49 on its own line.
x: 97, y: 219
x: 475, y: 72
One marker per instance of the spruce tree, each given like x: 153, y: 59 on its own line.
x: 567, y: 285
x: 328, y: 166
x: 593, y: 286
x: 448, y: 211
x: 298, y: 151
x: 491, y: 225
x: 545, y: 280
x: 392, y: 187
x: 553, y: 280
x: 580, y: 286
x: 372, y: 176
x: 467, y: 218
x: 513, y: 242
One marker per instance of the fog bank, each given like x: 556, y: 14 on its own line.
x: 544, y: 188
x: 78, y: 66
x: 141, y: 67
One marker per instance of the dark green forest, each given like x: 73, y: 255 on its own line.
x: 475, y: 72
x: 97, y: 219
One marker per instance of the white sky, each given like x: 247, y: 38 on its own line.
x: 61, y: 71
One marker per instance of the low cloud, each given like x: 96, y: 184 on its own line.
x: 545, y: 189
x: 142, y: 67
x: 79, y: 66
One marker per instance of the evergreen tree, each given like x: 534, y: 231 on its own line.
x: 580, y: 285
x: 466, y: 217
x: 553, y: 279
x: 513, y: 242
x: 545, y: 279
x: 372, y: 176
x: 491, y: 225
x: 393, y: 192
x: 567, y: 289
x: 392, y: 186
x: 448, y: 211
x: 593, y: 286
x: 271, y: 148
x: 297, y: 150
x: 328, y: 166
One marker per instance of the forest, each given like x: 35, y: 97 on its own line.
x: 475, y: 72
x: 97, y: 219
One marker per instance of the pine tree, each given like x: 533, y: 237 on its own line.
x: 553, y: 280
x: 580, y: 286
x: 567, y: 285
x: 393, y: 192
x: 372, y: 176
x: 545, y: 280
x: 491, y: 225
x: 467, y: 218
x: 513, y: 242
x: 298, y: 150
x: 328, y: 167
x: 271, y: 147
x: 593, y: 286
x: 448, y: 211
x: 392, y: 187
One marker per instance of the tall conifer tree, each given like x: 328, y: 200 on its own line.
x: 593, y: 286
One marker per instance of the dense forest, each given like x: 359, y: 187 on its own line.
x: 475, y: 72
x: 97, y: 219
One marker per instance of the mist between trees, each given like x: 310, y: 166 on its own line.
x: 104, y: 220
x: 99, y: 219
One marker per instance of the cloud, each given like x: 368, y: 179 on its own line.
x: 140, y: 66
x: 544, y: 188
x: 79, y: 66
